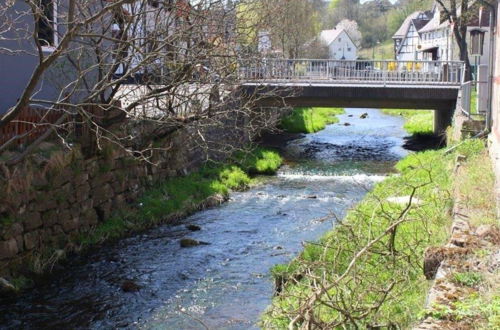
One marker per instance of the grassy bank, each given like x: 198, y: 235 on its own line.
x: 310, y: 120
x: 383, y: 51
x: 469, y: 294
x: 367, y: 271
x: 417, y: 122
x: 180, y: 196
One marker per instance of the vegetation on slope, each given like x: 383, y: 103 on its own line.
x: 383, y: 51
x: 180, y: 196
x: 417, y: 122
x: 470, y: 292
x: 310, y: 120
x: 367, y: 271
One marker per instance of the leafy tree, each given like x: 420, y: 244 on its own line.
x: 352, y: 29
x: 291, y: 24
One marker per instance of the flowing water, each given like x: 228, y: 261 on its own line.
x: 224, y: 285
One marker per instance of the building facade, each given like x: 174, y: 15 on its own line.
x: 428, y: 36
x: 340, y: 45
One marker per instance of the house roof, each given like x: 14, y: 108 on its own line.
x: 403, y: 29
x: 434, y: 24
x: 329, y: 36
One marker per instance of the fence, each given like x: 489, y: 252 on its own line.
x: 31, y: 123
x: 386, y: 72
x: 465, y: 98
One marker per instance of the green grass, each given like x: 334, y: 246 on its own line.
x: 470, y: 279
x: 361, y: 292
x: 473, y: 101
x: 475, y: 182
x: 384, y: 51
x: 310, y: 120
x: 179, y: 196
x: 473, y: 308
x: 417, y: 122
x: 258, y: 161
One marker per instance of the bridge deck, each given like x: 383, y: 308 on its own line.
x: 385, y: 73
x: 353, y: 84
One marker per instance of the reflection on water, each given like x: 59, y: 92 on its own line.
x: 224, y: 285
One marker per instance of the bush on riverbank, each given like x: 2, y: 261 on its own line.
x: 417, y: 122
x: 183, y: 195
x: 310, y: 120
x: 368, y: 270
x: 259, y: 161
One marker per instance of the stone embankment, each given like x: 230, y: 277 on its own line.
x: 58, y: 196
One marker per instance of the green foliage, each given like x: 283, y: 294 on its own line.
x: 381, y: 51
x: 471, y: 279
x: 259, y: 161
x: 416, y: 121
x: 110, y: 229
x: 430, y: 175
x: 485, y: 312
x: 471, y: 148
x: 310, y: 120
x: 473, y: 101
x: 180, y: 195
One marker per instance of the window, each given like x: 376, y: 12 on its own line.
x: 340, y: 39
x: 349, y: 49
x: 47, y: 24
x: 476, y: 42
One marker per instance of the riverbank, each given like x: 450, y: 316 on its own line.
x: 310, y: 120
x: 223, y: 284
x: 179, y: 197
x: 378, y: 249
x: 165, y: 202
x: 466, y: 290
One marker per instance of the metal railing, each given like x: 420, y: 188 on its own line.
x: 385, y: 72
x: 465, y: 98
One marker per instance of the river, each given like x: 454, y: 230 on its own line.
x: 224, y: 285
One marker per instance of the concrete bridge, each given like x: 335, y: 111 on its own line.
x: 415, y: 85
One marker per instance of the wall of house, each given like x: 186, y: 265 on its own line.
x: 343, y: 47
x: 17, y: 67
x: 408, y: 49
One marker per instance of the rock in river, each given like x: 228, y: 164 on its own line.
x: 364, y: 116
x: 6, y: 287
x: 188, y: 242
x: 193, y: 227
x: 130, y: 286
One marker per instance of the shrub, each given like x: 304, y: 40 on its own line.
x: 310, y: 120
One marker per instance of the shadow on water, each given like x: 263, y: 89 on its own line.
x: 224, y: 285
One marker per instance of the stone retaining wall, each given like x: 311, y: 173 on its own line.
x: 44, y: 206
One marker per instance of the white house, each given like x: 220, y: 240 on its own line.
x: 428, y: 36
x: 407, y: 38
x: 340, y: 45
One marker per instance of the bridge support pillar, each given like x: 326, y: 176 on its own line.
x: 442, y: 119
